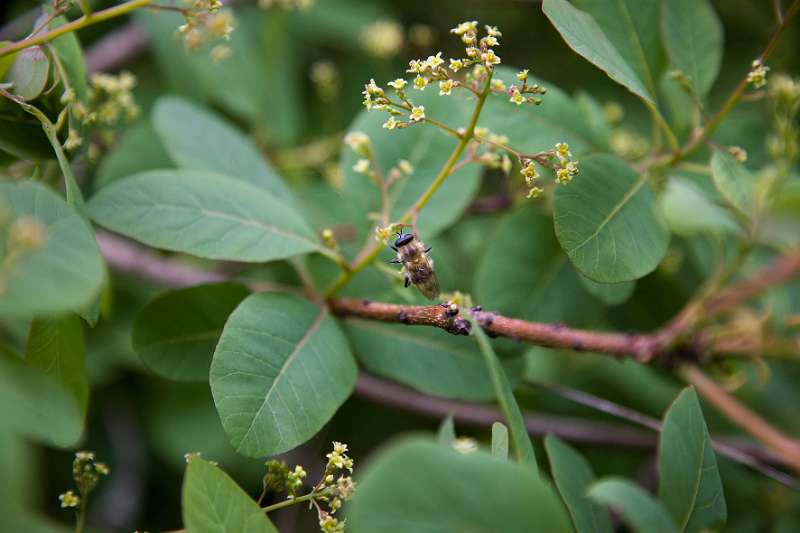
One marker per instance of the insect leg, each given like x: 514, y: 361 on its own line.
x: 393, y: 248
x: 406, y: 281
x: 396, y: 261
x: 429, y: 249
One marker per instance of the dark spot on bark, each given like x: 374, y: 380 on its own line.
x: 366, y: 302
x: 460, y: 326
x: 403, y: 317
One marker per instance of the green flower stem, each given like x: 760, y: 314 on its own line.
x: 369, y: 255
x: 80, y: 522
x: 300, y: 499
x: 77, y: 24
x: 74, y: 197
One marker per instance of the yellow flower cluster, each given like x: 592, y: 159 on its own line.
x: 567, y: 168
x: 517, y: 95
x: 479, y: 55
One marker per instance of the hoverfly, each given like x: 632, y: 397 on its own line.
x: 417, y: 266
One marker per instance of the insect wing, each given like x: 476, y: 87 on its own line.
x: 429, y: 287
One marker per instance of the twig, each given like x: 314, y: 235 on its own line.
x: 754, y: 459
x: 553, y: 335
x: 394, y: 395
x: 787, y: 447
x: 76, y: 24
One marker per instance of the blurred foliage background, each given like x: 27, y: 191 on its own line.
x: 293, y: 81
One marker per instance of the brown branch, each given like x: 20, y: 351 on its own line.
x: 134, y: 259
x: 779, y: 271
x: 641, y: 347
x: 578, y: 430
x: 787, y: 447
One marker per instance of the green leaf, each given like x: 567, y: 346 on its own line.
x: 203, y: 214
x: 29, y: 73
x: 523, y: 449
x: 36, y: 406
x: 214, y: 503
x: 426, y: 359
x: 608, y: 222
x: 56, y: 346
x: 536, y: 128
x: 688, y: 210
x: 196, y: 139
x: 447, y: 432
x: 734, y: 181
x: 500, y: 441
x: 693, y: 39
x: 540, y: 284
x: 418, y: 485
x: 426, y: 148
x: 573, y: 475
x: 609, y: 293
x: 583, y: 34
x: 66, y: 272
x: 175, y: 334
x: 690, y: 486
x: 639, y: 510
x: 280, y: 371
x: 632, y: 26
x: 139, y: 149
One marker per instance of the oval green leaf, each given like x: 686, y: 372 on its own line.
x: 539, y: 283
x: 449, y: 491
x: 428, y: 360
x: 196, y: 139
x: 693, y: 38
x: 608, y: 222
x: 632, y: 26
x: 203, y: 214
x: 175, y: 334
x: 582, y: 33
x: 214, y: 503
x: 29, y: 73
x: 280, y: 371
x: 66, y: 272
x: 573, y: 475
x: 690, y: 486
x: 639, y: 510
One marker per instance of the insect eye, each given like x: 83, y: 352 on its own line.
x: 402, y: 240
